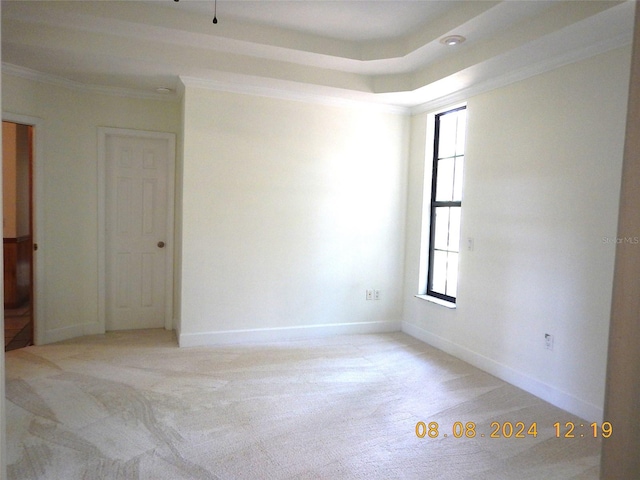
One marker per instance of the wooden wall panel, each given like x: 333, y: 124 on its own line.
x: 17, y: 273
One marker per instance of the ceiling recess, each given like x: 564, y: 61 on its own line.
x: 452, y: 40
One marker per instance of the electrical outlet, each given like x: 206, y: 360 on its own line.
x: 548, y: 341
x: 369, y: 294
x: 376, y: 294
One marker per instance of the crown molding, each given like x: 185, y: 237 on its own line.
x: 34, y: 75
x: 293, y: 91
x: 282, y: 92
x: 523, y: 73
x: 332, y: 96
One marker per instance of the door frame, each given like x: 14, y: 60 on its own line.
x: 37, y: 222
x: 103, y: 134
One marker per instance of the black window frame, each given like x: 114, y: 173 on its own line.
x: 435, y: 204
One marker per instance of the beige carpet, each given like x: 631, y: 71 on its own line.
x: 132, y: 405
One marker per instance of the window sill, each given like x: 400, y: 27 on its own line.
x: 438, y: 301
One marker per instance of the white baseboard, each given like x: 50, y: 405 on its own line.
x: 548, y: 393
x: 176, y: 328
x: 66, y: 333
x: 92, y: 329
x: 226, y: 337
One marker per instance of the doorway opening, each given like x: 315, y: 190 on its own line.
x: 18, y: 246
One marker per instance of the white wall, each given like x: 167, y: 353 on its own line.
x: 291, y: 211
x: 68, y: 241
x: 542, y: 180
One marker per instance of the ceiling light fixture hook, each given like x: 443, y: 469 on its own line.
x: 215, y: 11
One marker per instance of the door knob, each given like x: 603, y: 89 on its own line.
x: 160, y: 244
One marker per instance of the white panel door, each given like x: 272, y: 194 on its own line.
x: 136, y: 231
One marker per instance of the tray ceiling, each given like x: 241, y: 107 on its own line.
x: 383, y: 52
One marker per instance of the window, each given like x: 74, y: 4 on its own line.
x: 446, y: 204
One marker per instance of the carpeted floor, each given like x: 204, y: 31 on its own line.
x: 132, y: 405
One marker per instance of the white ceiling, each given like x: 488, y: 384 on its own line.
x: 386, y: 52
x: 342, y: 20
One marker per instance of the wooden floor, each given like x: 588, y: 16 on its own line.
x: 18, y: 329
